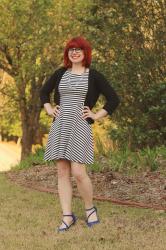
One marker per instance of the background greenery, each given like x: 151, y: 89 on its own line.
x: 128, y: 48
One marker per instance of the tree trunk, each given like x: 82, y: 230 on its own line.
x: 26, y: 142
x: 30, y: 114
x: 29, y: 128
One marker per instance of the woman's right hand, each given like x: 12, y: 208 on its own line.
x: 52, y: 111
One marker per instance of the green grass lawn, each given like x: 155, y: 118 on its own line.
x: 28, y: 220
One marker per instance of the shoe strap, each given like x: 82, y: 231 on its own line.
x: 65, y: 224
x: 92, y: 212
x: 67, y: 214
x: 72, y: 215
x: 88, y: 209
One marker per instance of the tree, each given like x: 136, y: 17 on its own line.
x: 130, y: 49
x: 32, y: 35
x: 25, y: 26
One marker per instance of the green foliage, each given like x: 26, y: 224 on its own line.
x: 10, y: 124
x: 148, y: 127
x: 132, y: 59
x: 128, y: 161
x: 32, y: 35
x: 24, y: 33
x: 95, y: 167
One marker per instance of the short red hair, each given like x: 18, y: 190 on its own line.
x: 78, y: 42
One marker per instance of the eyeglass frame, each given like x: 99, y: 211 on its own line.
x: 77, y: 50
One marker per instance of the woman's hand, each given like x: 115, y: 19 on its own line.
x: 95, y: 116
x: 52, y: 111
x: 88, y: 113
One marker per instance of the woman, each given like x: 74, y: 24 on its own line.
x: 76, y: 88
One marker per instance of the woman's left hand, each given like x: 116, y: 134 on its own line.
x: 88, y: 113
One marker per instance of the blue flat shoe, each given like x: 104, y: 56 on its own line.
x: 90, y: 224
x: 67, y: 226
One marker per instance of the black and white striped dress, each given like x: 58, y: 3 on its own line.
x: 70, y: 135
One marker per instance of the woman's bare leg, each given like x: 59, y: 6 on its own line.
x: 65, y: 189
x: 84, y: 186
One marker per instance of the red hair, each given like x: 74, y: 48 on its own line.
x: 78, y: 42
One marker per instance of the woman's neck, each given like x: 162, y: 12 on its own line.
x: 77, y: 68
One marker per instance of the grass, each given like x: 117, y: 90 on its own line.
x: 28, y: 220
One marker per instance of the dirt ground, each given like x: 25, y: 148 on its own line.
x: 146, y: 189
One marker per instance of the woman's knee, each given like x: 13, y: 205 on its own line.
x: 78, y: 171
x: 64, y: 168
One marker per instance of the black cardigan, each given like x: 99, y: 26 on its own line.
x: 97, y: 84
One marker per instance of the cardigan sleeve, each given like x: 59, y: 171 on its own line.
x: 112, y: 99
x: 47, y: 88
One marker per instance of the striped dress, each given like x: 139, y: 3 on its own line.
x: 70, y: 136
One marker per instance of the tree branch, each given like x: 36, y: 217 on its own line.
x: 5, y: 51
x: 6, y: 69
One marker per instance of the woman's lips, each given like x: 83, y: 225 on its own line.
x: 75, y: 57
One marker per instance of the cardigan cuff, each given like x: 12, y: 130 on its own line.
x: 110, y: 108
x: 44, y: 100
x: 107, y: 108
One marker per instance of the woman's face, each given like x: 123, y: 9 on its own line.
x: 76, y: 55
